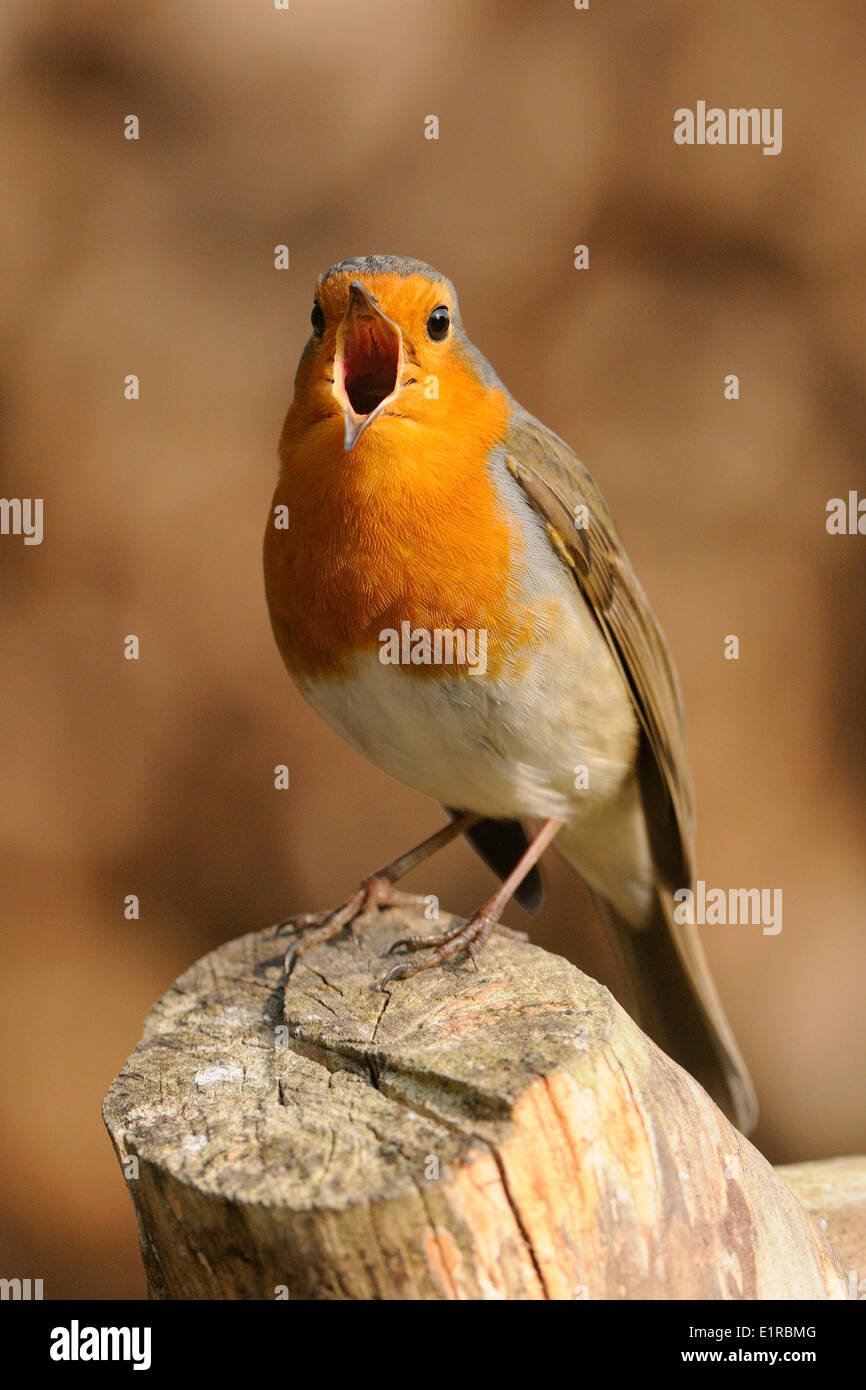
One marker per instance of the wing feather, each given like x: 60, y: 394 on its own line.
x: 563, y: 493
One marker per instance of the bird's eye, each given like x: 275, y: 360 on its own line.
x: 438, y: 323
x: 317, y: 319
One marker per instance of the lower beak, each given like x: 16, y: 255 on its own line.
x: 368, y: 362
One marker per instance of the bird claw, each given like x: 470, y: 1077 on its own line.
x: 405, y: 945
x: 464, y: 940
x: 293, y: 926
x: 376, y: 893
x: 314, y: 928
x: 397, y: 973
x: 510, y: 932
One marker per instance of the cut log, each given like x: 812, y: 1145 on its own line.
x: 833, y: 1190
x: 505, y: 1132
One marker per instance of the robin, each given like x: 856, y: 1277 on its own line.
x: 451, y: 595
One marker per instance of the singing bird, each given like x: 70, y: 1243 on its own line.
x: 423, y: 517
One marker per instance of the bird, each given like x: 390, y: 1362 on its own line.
x: 448, y: 591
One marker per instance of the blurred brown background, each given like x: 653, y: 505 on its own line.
x: 155, y: 777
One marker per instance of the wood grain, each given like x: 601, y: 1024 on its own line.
x: 500, y: 1133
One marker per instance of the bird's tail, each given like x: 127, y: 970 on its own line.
x: 677, y: 1005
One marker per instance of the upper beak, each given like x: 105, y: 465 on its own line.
x: 368, y: 362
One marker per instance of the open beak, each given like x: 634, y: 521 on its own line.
x: 368, y: 362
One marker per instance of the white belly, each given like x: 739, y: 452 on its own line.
x: 555, y: 739
x: 508, y: 746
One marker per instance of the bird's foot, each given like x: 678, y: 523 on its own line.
x: 314, y: 928
x: 463, y: 940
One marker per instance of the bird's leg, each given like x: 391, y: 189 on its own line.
x: 376, y: 891
x: 472, y: 935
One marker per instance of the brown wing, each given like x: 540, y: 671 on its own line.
x: 581, y: 530
x: 675, y: 995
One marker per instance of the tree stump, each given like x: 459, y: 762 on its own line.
x: 505, y: 1132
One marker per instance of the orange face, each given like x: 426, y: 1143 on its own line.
x: 386, y: 476
x: 385, y: 347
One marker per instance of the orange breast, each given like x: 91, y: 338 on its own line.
x: 406, y: 527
